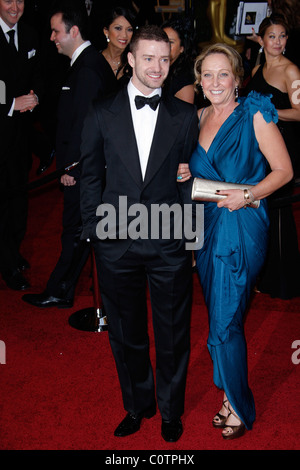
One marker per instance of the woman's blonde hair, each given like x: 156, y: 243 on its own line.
x: 232, y: 55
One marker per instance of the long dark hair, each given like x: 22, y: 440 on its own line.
x: 271, y: 20
x: 184, y: 28
x: 119, y: 11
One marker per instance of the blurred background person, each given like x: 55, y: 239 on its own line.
x: 275, y: 77
x: 88, y: 77
x: 118, y: 29
x: 21, y: 74
x: 180, y: 81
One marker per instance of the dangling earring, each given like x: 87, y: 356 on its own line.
x: 283, y: 52
x: 203, y: 92
x: 236, y: 92
x: 107, y: 38
x: 261, y: 49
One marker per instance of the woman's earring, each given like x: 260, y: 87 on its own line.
x: 203, y: 93
x: 107, y: 38
x: 261, y: 49
x: 283, y: 52
x: 236, y: 91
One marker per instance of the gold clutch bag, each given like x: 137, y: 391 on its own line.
x: 205, y: 190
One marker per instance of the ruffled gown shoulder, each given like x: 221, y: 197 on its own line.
x: 234, y: 247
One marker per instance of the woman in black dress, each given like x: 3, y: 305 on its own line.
x: 280, y: 275
x: 180, y: 80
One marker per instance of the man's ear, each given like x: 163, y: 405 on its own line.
x: 74, y: 31
x: 131, y: 59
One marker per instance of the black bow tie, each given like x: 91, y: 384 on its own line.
x: 140, y: 101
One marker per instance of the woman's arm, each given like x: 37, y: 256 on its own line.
x: 273, y: 147
x: 186, y: 93
x: 292, y: 79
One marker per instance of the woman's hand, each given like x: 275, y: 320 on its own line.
x: 254, y: 37
x: 183, y: 173
x: 235, y: 199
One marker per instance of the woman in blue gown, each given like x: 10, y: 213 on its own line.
x: 236, y: 140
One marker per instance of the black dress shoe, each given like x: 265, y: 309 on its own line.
x: 16, y: 281
x: 132, y: 422
x: 45, y: 163
x: 45, y: 300
x: 171, y: 430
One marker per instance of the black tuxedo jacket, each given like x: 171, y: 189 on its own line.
x: 89, y: 77
x: 20, y: 73
x: 111, y: 167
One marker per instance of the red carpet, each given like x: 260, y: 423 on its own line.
x: 59, y: 388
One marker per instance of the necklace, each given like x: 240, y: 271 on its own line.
x: 114, y: 64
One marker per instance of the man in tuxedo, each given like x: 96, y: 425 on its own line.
x: 130, y: 155
x: 19, y: 72
x: 87, y: 78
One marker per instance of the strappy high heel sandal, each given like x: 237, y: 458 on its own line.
x: 219, y: 419
x: 234, y: 431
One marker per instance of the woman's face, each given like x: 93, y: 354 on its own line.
x: 119, y: 32
x: 217, y: 79
x: 274, y: 39
x: 176, y: 47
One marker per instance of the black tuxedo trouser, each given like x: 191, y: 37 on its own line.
x: 74, y: 252
x: 14, y: 168
x: 123, y: 287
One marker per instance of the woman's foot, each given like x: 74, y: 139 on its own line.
x: 233, y: 426
x: 221, y: 417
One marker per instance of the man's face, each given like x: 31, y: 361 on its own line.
x: 11, y: 11
x: 63, y: 40
x: 150, y: 64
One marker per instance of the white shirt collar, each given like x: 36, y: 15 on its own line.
x: 6, y: 29
x: 79, y: 50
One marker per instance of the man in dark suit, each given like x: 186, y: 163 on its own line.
x: 88, y: 77
x: 19, y: 72
x: 130, y: 156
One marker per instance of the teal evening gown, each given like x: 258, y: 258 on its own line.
x: 234, y: 248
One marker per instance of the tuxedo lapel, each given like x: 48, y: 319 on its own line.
x: 166, y: 130
x: 120, y: 126
x: 23, y: 42
x: 4, y: 46
x: 3, y: 40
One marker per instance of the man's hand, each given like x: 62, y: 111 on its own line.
x: 67, y: 180
x: 26, y: 102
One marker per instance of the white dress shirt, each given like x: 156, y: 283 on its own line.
x: 5, y: 30
x: 144, y: 122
